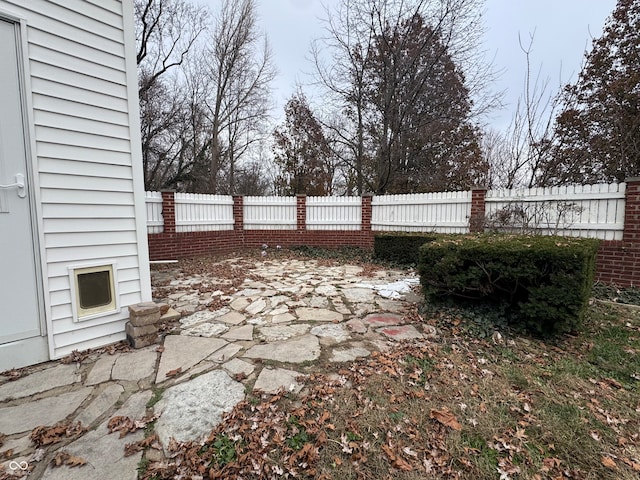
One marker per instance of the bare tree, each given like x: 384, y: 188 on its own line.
x: 520, y: 157
x: 240, y: 72
x: 404, y: 49
x: 166, y: 31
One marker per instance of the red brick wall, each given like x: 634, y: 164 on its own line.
x: 618, y: 262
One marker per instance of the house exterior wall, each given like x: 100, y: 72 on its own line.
x: 81, y: 87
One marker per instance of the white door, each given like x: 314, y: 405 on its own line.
x: 22, y: 340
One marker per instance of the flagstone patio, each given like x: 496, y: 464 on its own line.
x: 246, y: 324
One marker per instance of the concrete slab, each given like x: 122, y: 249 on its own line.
x: 47, y: 379
x: 383, y: 319
x: 171, y: 315
x: 135, y: 366
x: 237, y: 366
x: 400, y: 332
x: 281, y: 332
x: 348, y: 354
x: 309, y: 314
x: 297, y: 350
x: 337, y: 332
x: 190, y: 411
x: 240, y: 333
x: 184, y: 352
x: 100, y: 405
x: 279, y: 310
x: 271, y: 380
x: 47, y: 411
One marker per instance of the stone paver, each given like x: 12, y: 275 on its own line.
x: 310, y: 314
x: 47, y: 411
x: 136, y: 365
x: 281, y: 332
x: 400, y: 332
x: 41, y: 381
x: 103, y: 451
x: 103, y: 402
x: 191, y: 410
x: 240, y: 333
x: 336, y: 332
x: 237, y: 366
x: 289, y: 311
x: 207, y: 330
x: 297, y: 350
x: 232, y: 318
x: 101, y: 370
x: 349, y: 354
x: 184, y: 352
x: 271, y: 380
x: 383, y: 319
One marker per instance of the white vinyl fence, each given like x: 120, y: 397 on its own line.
x: 594, y: 211
x: 196, y: 212
x: 581, y: 210
x: 270, y: 213
x: 155, y: 222
x: 334, y: 213
x: 446, y: 212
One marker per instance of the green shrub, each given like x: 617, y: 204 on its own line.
x: 400, y: 247
x: 544, y: 282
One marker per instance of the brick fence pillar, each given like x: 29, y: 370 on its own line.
x: 238, y: 221
x: 476, y: 219
x: 169, y: 211
x: 301, y: 215
x: 366, y: 213
x: 632, y: 211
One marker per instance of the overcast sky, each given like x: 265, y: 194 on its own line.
x: 563, y: 30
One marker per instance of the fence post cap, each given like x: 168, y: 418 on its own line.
x: 167, y: 190
x: 480, y: 188
x: 632, y: 179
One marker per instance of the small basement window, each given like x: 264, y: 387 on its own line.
x: 93, y: 291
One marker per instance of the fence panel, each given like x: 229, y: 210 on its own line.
x: 595, y: 211
x: 153, y: 202
x: 197, y: 212
x: 446, y: 212
x: 270, y: 213
x: 334, y: 213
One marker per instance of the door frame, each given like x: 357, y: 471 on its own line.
x: 32, y: 180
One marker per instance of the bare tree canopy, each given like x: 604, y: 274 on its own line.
x: 204, y: 94
x: 398, y: 73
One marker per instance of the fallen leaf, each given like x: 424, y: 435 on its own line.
x: 445, y: 417
x: 174, y: 372
x: 609, y: 463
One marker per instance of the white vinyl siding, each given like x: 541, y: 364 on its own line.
x: 81, y: 115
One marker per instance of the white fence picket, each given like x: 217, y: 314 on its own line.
x: 155, y: 222
x: 445, y: 212
x: 270, y: 213
x: 577, y: 210
x: 197, y: 212
x: 594, y: 211
x: 334, y: 213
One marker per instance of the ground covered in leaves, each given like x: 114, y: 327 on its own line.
x: 475, y: 404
